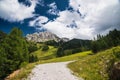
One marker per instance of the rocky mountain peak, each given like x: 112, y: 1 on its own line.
x: 44, y: 36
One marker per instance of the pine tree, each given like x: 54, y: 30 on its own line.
x: 13, y: 52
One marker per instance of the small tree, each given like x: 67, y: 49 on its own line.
x: 45, y: 48
x: 32, y: 47
x: 94, y: 47
x: 60, y: 52
x: 33, y: 58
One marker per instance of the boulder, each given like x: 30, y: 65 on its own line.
x: 115, y: 71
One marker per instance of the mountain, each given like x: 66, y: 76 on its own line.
x: 44, y: 36
x: 76, y: 43
x: 73, y: 46
x: 64, y: 39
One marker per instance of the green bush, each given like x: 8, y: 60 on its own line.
x: 116, y: 53
x: 45, y: 48
x: 60, y: 52
x: 76, y: 50
x: 32, y: 47
x: 23, y: 64
x: 67, y: 52
x: 33, y: 58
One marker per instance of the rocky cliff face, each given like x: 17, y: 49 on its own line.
x: 44, y: 36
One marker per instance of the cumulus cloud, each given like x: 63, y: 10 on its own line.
x: 59, y: 26
x: 101, y: 15
x: 39, y: 21
x: 87, y: 19
x: 13, y: 11
x: 109, y: 18
x: 91, y: 17
x: 41, y: 2
x: 53, y: 9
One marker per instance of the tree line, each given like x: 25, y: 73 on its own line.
x: 14, y: 52
x: 112, y: 39
x: 73, y: 46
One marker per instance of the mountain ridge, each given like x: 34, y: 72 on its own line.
x: 44, y: 36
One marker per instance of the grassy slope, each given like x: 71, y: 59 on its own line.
x: 89, y: 67
x: 44, y: 55
x: 95, y: 67
x: 24, y: 72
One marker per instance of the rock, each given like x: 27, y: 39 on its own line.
x: 44, y: 36
x: 115, y: 72
x: 80, y: 69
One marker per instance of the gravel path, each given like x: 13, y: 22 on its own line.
x: 52, y: 71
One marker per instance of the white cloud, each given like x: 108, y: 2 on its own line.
x: 41, y: 2
x: 53, y: 9
x: 56, y: 28
x: 39, y: 21
x: 66, y: 18
x: 14, y: 11
x: 100, y: 16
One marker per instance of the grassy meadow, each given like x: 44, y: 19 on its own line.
x: 87, y: 65
x: 96, y: 67
x: 24, y: 72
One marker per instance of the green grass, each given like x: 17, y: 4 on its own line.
x: 70, y: 57
x: 95, y: 67
x: 24, y: 72
x: 44, y: 55
x: 86, y: 65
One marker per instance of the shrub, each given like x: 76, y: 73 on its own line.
x: 76, y: 50
x: 33, y: 58
x: 116, y: 53
x: 60, y: 52
x: 23, y: 64
x: 32, y: 47
x: 45, y: 48
x: 67, y: 52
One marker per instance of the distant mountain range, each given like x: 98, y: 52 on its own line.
x: 44, y: 36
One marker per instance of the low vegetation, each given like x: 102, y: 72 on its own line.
x: 92, y: 59
x: 45, y: 48
x: 45, y: 55
x: 73, y: 46
x: 98, y: 66
x: 27, y: 69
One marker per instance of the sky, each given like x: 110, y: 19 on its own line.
x: 82, y: 19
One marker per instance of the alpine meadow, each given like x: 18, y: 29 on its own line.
x: 59, y: 39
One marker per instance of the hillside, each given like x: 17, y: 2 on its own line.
x: 73, y: 46
x: 98, y: 66
x: 45, y: 55
x: 26, y: 70
x: 59, y: 39
x: 87, y: 65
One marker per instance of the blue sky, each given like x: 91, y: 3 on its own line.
x: 82, y: 19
